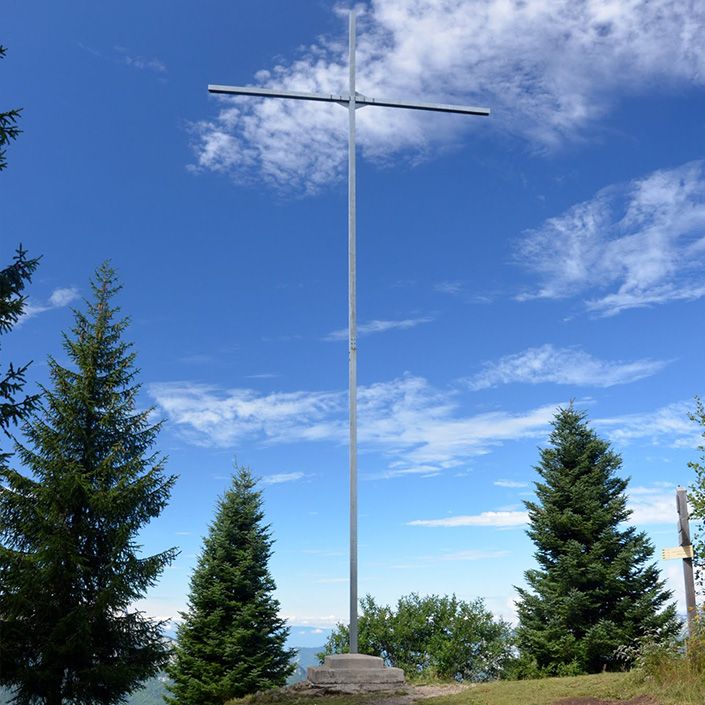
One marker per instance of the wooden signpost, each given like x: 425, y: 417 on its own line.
x: 685, y: 552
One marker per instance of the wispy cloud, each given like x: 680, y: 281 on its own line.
x: 323, y: 621
x: 372, y: 327
x: 562, y: 366
x: 140, y: 62
x: 59, y: 298
x: 122, y: 55
x: 282, y: 477
x: 511, y: 484
x: 549, y: 71
x: 331, y: 581
x: 497, y: 519
x: 419, y: 429
x: 634, y: 245
x: 448, y: 287
x: 652, y: 505
x: 213, y: 417
x: 648, y: 505
x: 431, y: 561
x: 668, y: 425
x: 471, y: 555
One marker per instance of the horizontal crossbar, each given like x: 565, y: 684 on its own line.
x: 360, y: 100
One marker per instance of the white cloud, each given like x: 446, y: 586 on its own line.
x: 649, y: 505
x: 631, y: 246
x: 498, y: 519
x: 652, y: 505
x: 323, y: 552
x: 419, y: 428
x: 211, y: 417
x: 62, y: 297
x: 561, y: 366
x: 321, y: 621
x: 140, y: 62
x: 378, y: 327
x: 548, y: 70
x: 423, y: 430
x: 511, y: 484
x: 471, y: 555
x: 282, y: 477
x: 331, y: 581
x: 449, y: 287
x: 58, y: 299
x: 668, y: 425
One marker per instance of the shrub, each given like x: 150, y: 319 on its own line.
x: 433, y: 637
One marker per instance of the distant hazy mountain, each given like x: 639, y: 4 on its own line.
x: 306, y: 656
x: 154, y: 689
x: 150, y: 694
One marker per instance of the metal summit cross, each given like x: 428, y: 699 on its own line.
x: 352, y: 100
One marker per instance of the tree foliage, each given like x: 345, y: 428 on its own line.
x: 13, y: 279
x: 13, y: 405
x: 696, y: 495
x: 431, y: 637
x: 594, y: 589
x: 70, y: 567
x: 8, y: 125
x: 231, y: 641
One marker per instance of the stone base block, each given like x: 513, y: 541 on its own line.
x: 355, y: 672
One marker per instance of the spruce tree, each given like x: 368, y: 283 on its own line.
x: 13, y: 280
x: 70, y: 565
x: 594, y: 589
x: 14, y: 406
x: 8, y: 124
x: 231, y: 641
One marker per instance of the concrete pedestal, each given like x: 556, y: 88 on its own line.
x: 354, y: 673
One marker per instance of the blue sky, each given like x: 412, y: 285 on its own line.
x: 554, y: 251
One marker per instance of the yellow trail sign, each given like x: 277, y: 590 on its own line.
x: 678, y: 552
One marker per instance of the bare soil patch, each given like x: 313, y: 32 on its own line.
x: 414, y: 693
x: 408, y: 695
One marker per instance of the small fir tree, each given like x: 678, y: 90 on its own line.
x: 594, y: 589
x: 231, y: 641
x: 69, y: 563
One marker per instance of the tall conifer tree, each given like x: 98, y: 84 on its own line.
x: 8, y: 124
x: 232, y: 640
x: 14, y: 406
x: 595, y: 588
x: 70, y: 566
x: 13, y: 280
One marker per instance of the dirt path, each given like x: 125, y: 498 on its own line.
x: 421, y: 692
x: 408, y: 696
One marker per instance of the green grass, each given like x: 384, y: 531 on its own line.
x: 531, y: 692
x: 617, y: 686
x: 671, y: 689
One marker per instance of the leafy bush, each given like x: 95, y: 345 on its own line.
x: 433, y: 637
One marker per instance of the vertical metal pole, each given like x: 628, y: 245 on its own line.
x: 352, y: 337
x: 684, y: 540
